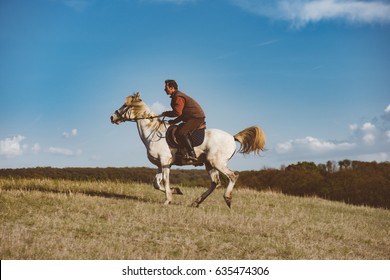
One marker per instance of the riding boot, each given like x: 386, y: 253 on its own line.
x: 190, y: 150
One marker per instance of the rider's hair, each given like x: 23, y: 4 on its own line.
x: 171, y: 83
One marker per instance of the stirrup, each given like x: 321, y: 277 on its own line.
x: 190, y: 156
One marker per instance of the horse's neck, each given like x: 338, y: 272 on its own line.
x: 150, y: 130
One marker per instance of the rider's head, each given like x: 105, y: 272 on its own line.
x: 170, y: 87
x: 171, y: 83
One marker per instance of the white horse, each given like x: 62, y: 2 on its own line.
x: 216, y: 150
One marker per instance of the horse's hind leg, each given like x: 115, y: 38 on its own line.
x: 215, y: 183
x: 232, y: 177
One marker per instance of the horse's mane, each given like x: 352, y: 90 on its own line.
x: 142, y: 110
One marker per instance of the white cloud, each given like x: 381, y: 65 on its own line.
x: 302, y: 12
x: 353, y: 127
x: 387, y: 110
x: 369, y: 133
x: 387, y: 134
x: 283, y: 148
x: 368, y: 141
x: 11, y: 147
x: 36, y: 148
x: 375, y: 133
x: 158, y: 108
x: 386, y: 115
x: 73, y: 133
x: 368, y: 127
x: 312, y: 145
x: 63, y: 152
x: 378, y: 157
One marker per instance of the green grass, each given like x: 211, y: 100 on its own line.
x: 55, y: 219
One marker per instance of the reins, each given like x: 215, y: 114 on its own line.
x: 157, y: 130
x: 120, y: 116
x: 142, y: 118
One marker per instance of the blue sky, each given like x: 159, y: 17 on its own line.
x: 315, y: 75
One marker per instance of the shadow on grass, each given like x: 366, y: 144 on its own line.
x: 91, y: 193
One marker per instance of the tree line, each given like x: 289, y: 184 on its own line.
x: 354, y: 182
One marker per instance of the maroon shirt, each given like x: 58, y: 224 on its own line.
x: 184, y: 108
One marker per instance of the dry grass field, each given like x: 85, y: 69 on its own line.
x: 56, y: 219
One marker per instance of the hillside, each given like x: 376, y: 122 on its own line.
x: 59, y: 219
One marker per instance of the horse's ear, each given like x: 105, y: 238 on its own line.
x: 137, y: 96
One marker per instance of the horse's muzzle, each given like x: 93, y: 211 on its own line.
x: 113, y: 121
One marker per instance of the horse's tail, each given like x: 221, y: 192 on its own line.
x: 252, y: 139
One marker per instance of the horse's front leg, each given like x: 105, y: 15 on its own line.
x: 165, y: 181
x: 158, y: 180
x: 158, y: 183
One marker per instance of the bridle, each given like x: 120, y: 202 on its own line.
x: 121, y: 112
x: 125, y: 108
x: 120, y: 115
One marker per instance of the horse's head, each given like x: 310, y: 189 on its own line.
x: 128, y: 111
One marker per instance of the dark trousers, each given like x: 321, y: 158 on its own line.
x: 183, y: 134
x: 185, y: 129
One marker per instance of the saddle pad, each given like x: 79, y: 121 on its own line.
x: 197, y: 137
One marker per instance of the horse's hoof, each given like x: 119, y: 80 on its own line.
x: 177, y: 191
x: 167, y: 202
x: 228, y: 201
x: 195, y: 204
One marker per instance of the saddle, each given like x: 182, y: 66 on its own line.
x: 197, y: 137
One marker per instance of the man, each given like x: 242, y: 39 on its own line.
x: 185, y: 110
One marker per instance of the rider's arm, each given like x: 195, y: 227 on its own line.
x: 177, y: 108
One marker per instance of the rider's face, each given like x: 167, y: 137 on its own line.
x: 169, y: 90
